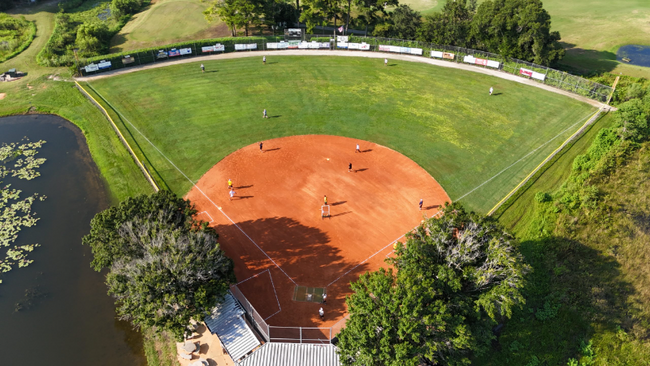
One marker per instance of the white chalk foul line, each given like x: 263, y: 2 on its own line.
x: 195, y: 186
x: 276, y: 297
x: 251, y: 277
x: 524, y: 157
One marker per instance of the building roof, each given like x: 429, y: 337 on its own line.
x: 293, y: 354
x: 228, y: 323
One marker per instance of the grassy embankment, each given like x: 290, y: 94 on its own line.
x: 152, y: 26
x: 591, y: 30
x: 587, y: 297
x: 442, y: 119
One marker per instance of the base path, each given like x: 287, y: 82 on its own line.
x: 368, y: 54
x: 274, y: 232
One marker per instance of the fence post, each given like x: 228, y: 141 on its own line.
x: 300, y: 334
x: 268, y: 332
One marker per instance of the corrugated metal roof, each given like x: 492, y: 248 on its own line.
x: 293, y: 354
x: 228, y: 323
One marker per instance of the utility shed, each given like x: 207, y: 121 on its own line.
x: 227, y: 322
x: 293, y: 354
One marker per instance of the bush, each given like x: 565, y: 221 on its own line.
x: 120, y: 8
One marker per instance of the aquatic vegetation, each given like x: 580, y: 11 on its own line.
x: 17, y: 160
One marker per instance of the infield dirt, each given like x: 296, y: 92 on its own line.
x: 274, y: 222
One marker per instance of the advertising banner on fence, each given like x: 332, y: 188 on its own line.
x: 532, y: 74
x: 104, y: 65
x: 277, y: 45
x: 161, y: 54
x: 481, y: 61
x: 342, y: 39
x: 397, y: 49
x: 216, y: 48
x: 186, y: 51
x: 445, y: 55
x: 293, y: 44
x: 91, y: 68
x: 359, y: 46
x: 344, y: 45
x: 245, y: 46
x: 313, y: 45
x: 128, y: 60
x: 174, y: 52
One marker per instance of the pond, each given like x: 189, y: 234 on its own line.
x: 66, y: 317
x: 634, y: 55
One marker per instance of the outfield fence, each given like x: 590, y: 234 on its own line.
x: 542, y: 74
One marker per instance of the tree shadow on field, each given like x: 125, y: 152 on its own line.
x: 305, y: 253
x: 572, y: 292
x: 581, y: 61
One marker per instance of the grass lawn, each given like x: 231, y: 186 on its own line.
x: 591, y: 30
x: 442, y: 119
x: 165, y: 22
x: 38, y: 93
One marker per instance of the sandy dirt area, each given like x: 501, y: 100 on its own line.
x: 273, y: 227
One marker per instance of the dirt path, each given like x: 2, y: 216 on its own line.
x: 379, y: 55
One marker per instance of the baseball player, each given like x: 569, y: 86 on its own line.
x: 230, y: 184
x: 491, y: 90
x: 357, y: 150
x: 232, y: 193
x: 385, y: 62
x: 421, y: 203
x: 202, y: 68
x: 261, y: 148
x: 321, y: 313
x: 264, y: 114
x: 325, y: 200
x: 324, y: 299
x: 349, y: 167
x: 264, y: 60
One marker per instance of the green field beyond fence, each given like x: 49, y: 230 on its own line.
x: 441, y: 118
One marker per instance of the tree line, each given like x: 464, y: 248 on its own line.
x: 513, y: 28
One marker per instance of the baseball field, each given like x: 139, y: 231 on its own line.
x: 477, y: 146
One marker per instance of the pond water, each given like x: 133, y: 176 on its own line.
x: 71, y: 320
x: 638, y: 55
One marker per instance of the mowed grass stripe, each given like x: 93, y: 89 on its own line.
x: 442, y: 119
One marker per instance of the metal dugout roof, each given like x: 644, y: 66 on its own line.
x: 228, y: 323
x: 293, y: 354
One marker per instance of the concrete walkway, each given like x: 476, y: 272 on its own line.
x: 368, y: 54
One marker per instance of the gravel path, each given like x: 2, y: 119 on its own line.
x: 379, y: 55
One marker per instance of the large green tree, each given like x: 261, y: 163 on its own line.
x: 237, y: 14
x: 449, y: 27
x: 517, y: 28
x: 164, y: 267
x: 453, y: 279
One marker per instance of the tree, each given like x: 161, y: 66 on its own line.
x: 517, y: 28
x: 406, y: 22
x: 121, y: 8
x: 92, y: 37
x: 452, y: 280
x: 372, y: 10
x: 164, y: 267
x: 449, y: 27
x: 236, y: 13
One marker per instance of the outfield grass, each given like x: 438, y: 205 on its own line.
x: 165, y: 22
x: 442, y: 119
